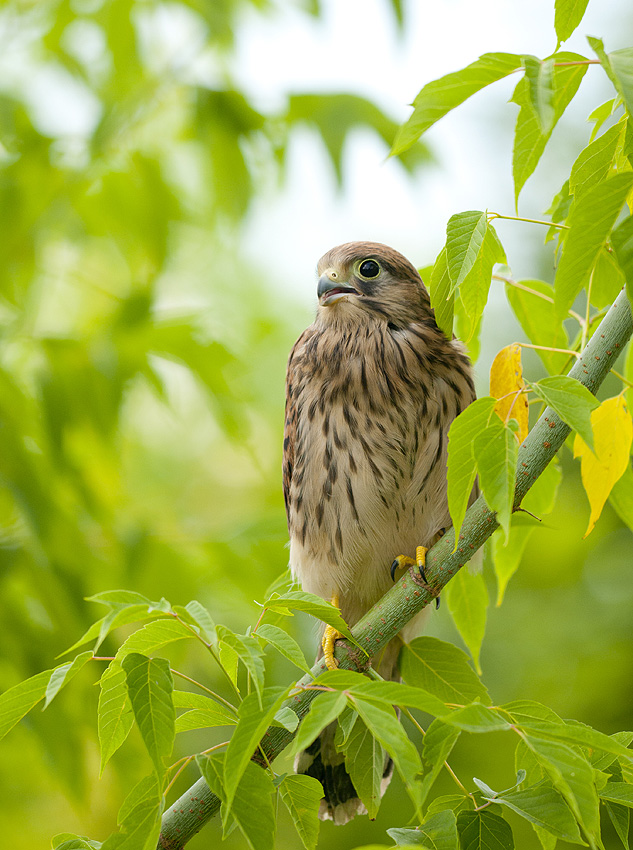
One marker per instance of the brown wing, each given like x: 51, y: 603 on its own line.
x: 290, y: 426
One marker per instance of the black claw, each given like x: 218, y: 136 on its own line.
x: 437, y: 602
x: 423, y: 574
x: 394, y: 567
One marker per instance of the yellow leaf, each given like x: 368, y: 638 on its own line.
x: 506, y: 383
x: 612, y: 435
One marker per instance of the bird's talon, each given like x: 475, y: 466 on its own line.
x: 437, y: 603
x: 400, y: 563
x: 330, y: 636
x: 420, y: 560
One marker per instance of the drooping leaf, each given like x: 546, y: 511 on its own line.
x: 17, y: 701
x: 622, y: 240
x: 462, y: 468
x: 139, y: 817
x: 152, y: 636
x: 388, y: 731
x: 542, y: 805
x: 63, y: 674
x: 442, y: 669
x: 591, y: 219
x: 251, y: 803
x: 484, y: 830
x: 284, y: 644
x: 613, y: 432
x: 618, y: 66
x: 540, y: 76
x: 465, y: 234
x: 607, y: 279
x: 496, y: 452
x: 442, y: 298
x: 248, y: 651
x: 506, y: 384
x: 150, y: 685
x: 201, y: 712
x: 467, y: 600
x: 439, y: 832
x: 115, y: 717
x: 476, y: 284
x: 254, y: 719
x: 325, y: 708
x: 438, y: 743
x: 568, y: 14
x: 529, y: 140
x: 299, y: 600
x: 476, y: 718
x: 301, y: 795
x: 593, y: 163
x: 365, y: 761
x: 571, y: 400
x: 532, y: 302
x: 440, y: 96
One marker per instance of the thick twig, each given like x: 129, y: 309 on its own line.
x: 408, y: 596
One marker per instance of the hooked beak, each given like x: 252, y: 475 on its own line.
x: 329, y: 290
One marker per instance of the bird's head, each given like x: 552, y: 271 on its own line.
x: 361, y: 280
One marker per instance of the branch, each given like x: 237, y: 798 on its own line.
x: 187, y: 815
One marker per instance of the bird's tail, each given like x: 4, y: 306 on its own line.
x: 324, y: 759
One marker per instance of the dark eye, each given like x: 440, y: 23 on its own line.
x: 369, y: 268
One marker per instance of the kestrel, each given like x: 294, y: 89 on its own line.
x: 372, y: 388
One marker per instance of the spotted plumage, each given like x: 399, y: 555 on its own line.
x: 372, y: 388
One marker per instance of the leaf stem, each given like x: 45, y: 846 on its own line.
x: 493, y: 215
x: 204, y: 688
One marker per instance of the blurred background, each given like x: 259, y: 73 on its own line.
x: 170, y: 172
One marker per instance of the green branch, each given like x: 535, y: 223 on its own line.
x: 408, y: 596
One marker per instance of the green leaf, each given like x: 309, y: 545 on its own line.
x: 287, y: 718
x: 476, y: 285
x: 484, y: 831
x: 572, y: 776
x: 476, y: 718
x: 571, y: 400
x: 388, y: 731
x: 438, y: 832
x: 438, y: 743
x: 63, y: 674
x: 607, y: 279
x: 591, y: 219
x: 462, y: 468
x: 442, y: 669
x: 465, y: 234
x: 20, y: 699
x: 618, y: 792
x: 568, y: 14
x: 440, y: 96
x: 467, y: 600
x: 249, y: 653
x: 139, y: 818
x: 496, y: 451
x: 199, y: 616
x: 204, y: 715
x: 540, y: 76
x: 620, y: 817
x: 150, y: 685
x: 302, y: 795
x: 152, y: 636
x: 254, y: 719
x: 622, y: 240
x: 365, y: 762
x: 299, y: 600
x: 70, y: 841
x: 284, y: 644
x: 442, y: 298
x: 594, y: 162
x: 251, y: 801
x: 529, y: 140
x: 542, y: 805
x: 325, y: 708
x: 539, y: 501
x: 390, y: 693
x: 115, y: 717
x: 578, y: 733
x: 621, y: 498
x: 618, y: 66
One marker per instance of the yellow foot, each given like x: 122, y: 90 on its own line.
x: 330, y: 636
x: 404, y: 561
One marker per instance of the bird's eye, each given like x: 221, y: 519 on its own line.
x: 369, y: 268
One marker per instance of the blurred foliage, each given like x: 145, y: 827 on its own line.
x: 141, y: 359
x: 141, y: 392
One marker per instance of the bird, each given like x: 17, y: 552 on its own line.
x: 372, y: 387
